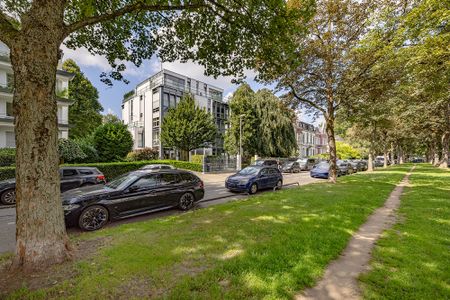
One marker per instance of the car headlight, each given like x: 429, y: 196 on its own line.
x: 70, y: 207
x: 244, y: 181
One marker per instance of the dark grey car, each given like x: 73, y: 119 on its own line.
x: 70, y: 178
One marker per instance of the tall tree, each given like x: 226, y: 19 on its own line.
x: 225, y: 36
x: 187, y: 126
x: 84, y: 112
x: 267, y: 124
x: 316, y: 83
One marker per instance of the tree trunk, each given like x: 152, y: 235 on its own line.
x: 41, y: 238
x: 332, y: 145
x: 400, y: 155
x: 385, y: 155
x: 436, y: 157
x: 445, y: 150
x: 370, y: 162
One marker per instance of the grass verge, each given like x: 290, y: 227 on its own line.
x: 412, y: 260
x: 266, y: 247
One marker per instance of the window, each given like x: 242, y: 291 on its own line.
x: 10, y: 139
x: 86, y: 172
x: 167, y: 179
x: 146, y: 182
x: 155, y: 138
x: 140, y: 140
x: 131, y: 111
x: 156, y: 122
x: 155, y: 110
x: 69, y: 172
x: 9, y: 109
x: 187, y: 178
x: 10, y: 80
x: 172, y: 102
x: 165, y: 102
x: 264, y: 172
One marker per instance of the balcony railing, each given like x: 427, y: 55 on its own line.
x: 6, y: 89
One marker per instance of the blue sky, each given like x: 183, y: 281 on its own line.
x: 111, y: 97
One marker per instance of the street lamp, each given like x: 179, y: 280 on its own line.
x: 239, y: 161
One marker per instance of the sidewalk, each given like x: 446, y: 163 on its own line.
x: 341, y: 277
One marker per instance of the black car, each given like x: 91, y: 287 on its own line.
x: 266, y: 162
x: 135, y: 193
x: 70, y: 178
x: 158, y: 167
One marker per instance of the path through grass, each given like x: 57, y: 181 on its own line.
x: 412, y: 260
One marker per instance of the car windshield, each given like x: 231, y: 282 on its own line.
x: 249, y: 171
x: 259, y: 163
x: 288, y: 164
x: 302, y: 160
x: 122, y: 182
x: 323, y: 165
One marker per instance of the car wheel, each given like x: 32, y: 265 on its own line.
x: 93, y: 218
x: 186, y: 201
x: 279, y: 185
x: 253, y: 188
x: 8, y: 197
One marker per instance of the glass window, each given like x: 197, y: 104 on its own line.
x: 165, y: 102
x: 172, y: 102
x: 156, y: 122
x: 10, y: 139
x: 187, y: 178
x: 86, y: 172
x: 265, y: 172
x: 146, y: 182
x: 169, y: 178
x: 69, y: 172
x: 9, y: 109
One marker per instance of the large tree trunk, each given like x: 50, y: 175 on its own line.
x: 370, y: 162
x: 40, y: 230
x: 332, y: 145
x: 385, y: 155
x: 400, y: 155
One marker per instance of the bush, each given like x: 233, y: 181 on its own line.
x: 7, y: 157
x: 70, y: 151
x: 113, y: 141
x: 114, y: 169
x: 89, y: 150
x: 197, y: 159
x: 143, y: 154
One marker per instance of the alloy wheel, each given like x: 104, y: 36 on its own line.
x: 253, y: 188
x: 93, y: 218
x: 279, y: 184
x: 186, y: 201
x: 9, y: 197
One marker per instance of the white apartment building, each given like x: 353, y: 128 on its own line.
x: 144, y: 110
x: 7, y: 136
x: 306, y: 139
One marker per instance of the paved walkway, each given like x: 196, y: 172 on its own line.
x: 341, y: 277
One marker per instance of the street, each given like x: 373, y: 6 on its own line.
x: 215, y: 193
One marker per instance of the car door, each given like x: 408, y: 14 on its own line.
x: 170, y: 189
x: 69, y: 179
x: 139, y: 196
x: 263, y: 178
x: 274, y: 176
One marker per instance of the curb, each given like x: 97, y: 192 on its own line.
x: 6, y: 206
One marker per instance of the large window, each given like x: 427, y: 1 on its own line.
x: 10, y: 139
x: 165, y: 102
x: 140, y: 140
x: 9, y: 109
x: 174, y: 81
x: 156, y: 122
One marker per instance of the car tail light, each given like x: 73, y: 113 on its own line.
x: 200, y: 184
x: 101, y: 178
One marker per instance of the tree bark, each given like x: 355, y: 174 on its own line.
x: 370, y: 162
x: 400, y: 155
x: 385, y: 155
x: 41, y: 238
x: 332, y: 175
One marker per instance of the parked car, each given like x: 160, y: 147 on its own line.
x: 361, y: 164
x: 70, y: 178
x: 266, y: 162
x: 344, y: 167
x: 354, y: 164
x: 135, y: 193
x: 158, y: 167
x: 254, y: 178
x: 307, y: 164
x: 321, y: 170
x: 378, y: 163
x: 291, y: 167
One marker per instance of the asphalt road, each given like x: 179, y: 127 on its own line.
x: 215, y: 193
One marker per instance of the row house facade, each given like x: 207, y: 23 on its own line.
x: 144, y: 110
x: 7, y: 135
x: 311, y: 140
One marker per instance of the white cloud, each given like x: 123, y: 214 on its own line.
x: 108, y: 111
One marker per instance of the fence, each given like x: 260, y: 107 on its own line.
x: 219, y: 164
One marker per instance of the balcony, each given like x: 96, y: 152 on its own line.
x: 6, y: 118
x: 7, y: 89
x: 4, y: 56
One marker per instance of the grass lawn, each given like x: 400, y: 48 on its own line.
x: 412, y: 260
x: 266, y: 247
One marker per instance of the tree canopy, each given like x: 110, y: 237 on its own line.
x: 187, y: 126
x: 84, y: 112
x: 267, y: 124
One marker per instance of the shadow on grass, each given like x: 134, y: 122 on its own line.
x: 268, y: 246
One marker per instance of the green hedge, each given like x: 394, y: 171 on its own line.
x: 115, y: 169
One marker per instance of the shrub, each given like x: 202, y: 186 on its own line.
x: 197, y: 159
x: 88, y: 149
x: 113, y: 141
x: 143, y: 154
x: 114, y: 169
x: 7, y: 157
x: 70, y: 151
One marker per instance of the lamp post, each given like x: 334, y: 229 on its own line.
x: 239, y: 161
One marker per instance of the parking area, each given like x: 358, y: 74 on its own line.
x: 215, y: 193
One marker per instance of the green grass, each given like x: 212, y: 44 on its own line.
x: 266, y: 247
x: 412, y: 260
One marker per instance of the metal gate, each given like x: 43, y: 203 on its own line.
x: 223, y: 163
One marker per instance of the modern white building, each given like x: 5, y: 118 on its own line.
x: 145, y: 107
x: 7, y: 136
